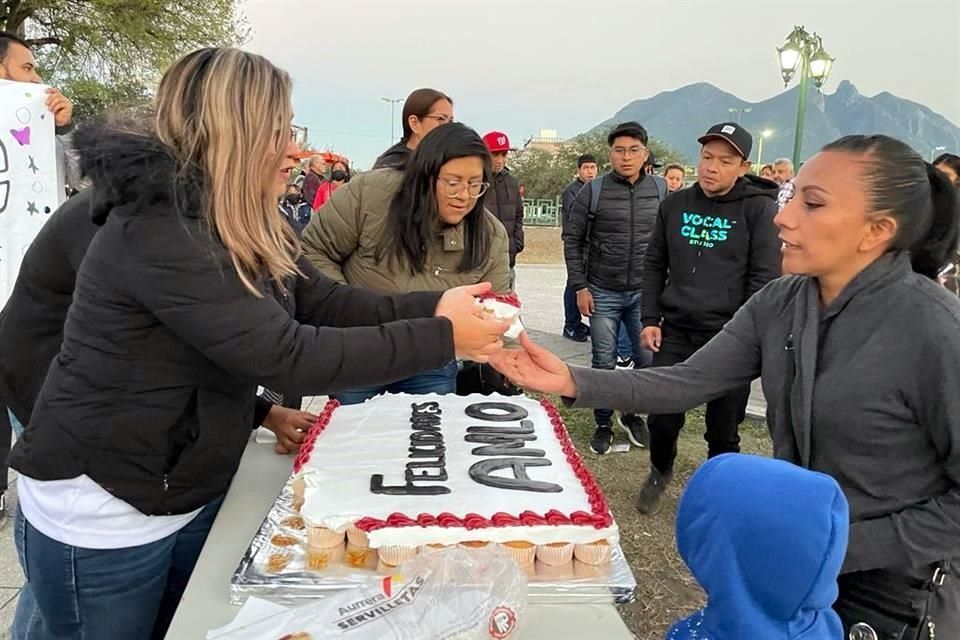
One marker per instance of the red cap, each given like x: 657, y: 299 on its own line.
x: 497, y: 141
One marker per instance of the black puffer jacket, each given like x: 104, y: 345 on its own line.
x: 396, y: 157
x: 504, y: 201
x: 152, y: 393
x: 607, y: 251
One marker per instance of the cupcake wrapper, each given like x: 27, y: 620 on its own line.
x: 523, y: 556
x: 360, y: 557
x: 393, y: 555
x: 555, y: 556
x: 595, y: 554
x: 357, y: 538
x: 324, y: 538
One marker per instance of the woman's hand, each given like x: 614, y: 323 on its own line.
x: 535, y: 369
x: 476, y: 335
x: 290, y: 426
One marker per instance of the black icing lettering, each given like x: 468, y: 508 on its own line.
x: 425, y: 407
x: 482, y: 472
x: 426, y: 450
x: 525, y: 427
x: 407, y: 489
x: 426, y: 437
x: 508, y: 447
x: 421, y: 424
x: 504, y: 412
x: 439, y: 471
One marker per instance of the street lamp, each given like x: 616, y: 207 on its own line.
x: 739, y: 112
x: 393, y: 118
x: 766, y: 133
x: 803, y: 51
x: 933, y: 154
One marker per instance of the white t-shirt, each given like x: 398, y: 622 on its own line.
x: 80, y: 513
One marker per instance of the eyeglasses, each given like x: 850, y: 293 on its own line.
x: 454, y: 188
x: 440, y: 118
x: 628, y: 151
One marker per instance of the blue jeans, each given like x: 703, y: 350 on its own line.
x: 104, y: 594
x: 17, y: 427
x: 441, y: 381
x: 611, y: 308
x: 624, y: 344
x: 571, y: 313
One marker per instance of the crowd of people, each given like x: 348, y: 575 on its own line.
x: 154, y: 309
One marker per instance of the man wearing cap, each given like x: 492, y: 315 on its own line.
x: 604, y: 242
x: 713, y: 246
x: 503, y: 198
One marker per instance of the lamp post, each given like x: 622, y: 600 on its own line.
x: 933, y: 154
x: 803, y: 51
x: 393, y: 119
x: 739, y: 112
x: 766, y: 133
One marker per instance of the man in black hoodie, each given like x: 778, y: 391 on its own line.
x: 712, y: 247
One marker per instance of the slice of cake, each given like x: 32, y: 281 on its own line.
x: 399, y: 473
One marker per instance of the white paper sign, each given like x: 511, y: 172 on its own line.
x: 28, y: 174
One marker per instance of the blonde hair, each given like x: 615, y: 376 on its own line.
x: 227, y: 112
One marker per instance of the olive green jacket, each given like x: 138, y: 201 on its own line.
x: 341, y: 239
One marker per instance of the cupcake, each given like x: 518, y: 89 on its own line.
x: 299, y: 487
x: 278, y: 561
x: 357, y: 538
x: 595, y: 553
x: 524, y: 553
x: 555, y: 553
x: 321, y: 557
x: 474, y: 544
x: 429, y: 548
x: 323, y: 537
x: 393, y: 555
x: 360, y: 557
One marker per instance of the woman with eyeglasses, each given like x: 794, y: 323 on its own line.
x: 423, y: 111
x: 193, y: 292
x: 424, y: 229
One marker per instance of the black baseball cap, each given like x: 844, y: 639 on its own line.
x: 737, y: 136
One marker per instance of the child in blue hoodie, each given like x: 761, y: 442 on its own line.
x: 765, y: 539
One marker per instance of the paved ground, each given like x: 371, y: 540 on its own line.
x: 541, y: 290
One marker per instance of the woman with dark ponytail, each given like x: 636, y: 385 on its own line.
x: 859, y: 356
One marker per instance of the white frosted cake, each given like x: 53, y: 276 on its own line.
x: 399, y: 473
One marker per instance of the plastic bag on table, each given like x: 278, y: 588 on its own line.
x: 444, y: 594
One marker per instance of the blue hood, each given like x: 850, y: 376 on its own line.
x: 765, y: 539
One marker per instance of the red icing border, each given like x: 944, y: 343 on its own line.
x: 599, y: 516
x: 506, y: 298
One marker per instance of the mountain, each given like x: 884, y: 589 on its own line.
x: 679, y: 117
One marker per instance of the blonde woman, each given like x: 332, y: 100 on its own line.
x: 191, y: 294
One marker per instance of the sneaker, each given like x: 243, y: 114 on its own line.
x: 576, y: 335
x: 636, y: 429
x: 3, y: 505
x: 602, y: 439
x: 648, y: 501
x: 624, y: 363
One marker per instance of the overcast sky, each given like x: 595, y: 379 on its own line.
x: 522, y: 66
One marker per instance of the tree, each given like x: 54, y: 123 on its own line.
x: 545, y: 174
x: 105, y: 52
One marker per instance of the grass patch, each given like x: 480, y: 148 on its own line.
x: 665, y: 589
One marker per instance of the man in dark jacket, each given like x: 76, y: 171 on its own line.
x: 573, y: 325
x: 604, y: 243
x: 503, y: 198
x: 713, y: 246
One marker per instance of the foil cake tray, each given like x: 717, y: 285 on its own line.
x: 274, y: 567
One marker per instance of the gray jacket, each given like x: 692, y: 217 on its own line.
x: 874, y: 400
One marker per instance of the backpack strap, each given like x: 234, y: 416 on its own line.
x: 661, y: 187
x: 596, y: 185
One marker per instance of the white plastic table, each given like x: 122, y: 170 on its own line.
x: 262, y: 473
